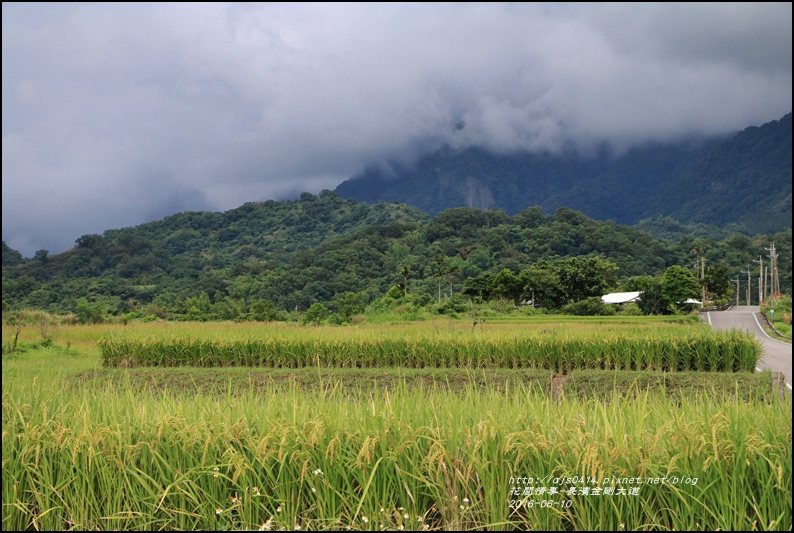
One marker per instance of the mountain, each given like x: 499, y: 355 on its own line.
x: 742, y: 179
x: 318, y: 249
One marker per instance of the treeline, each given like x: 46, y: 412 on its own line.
x: 274, y: 260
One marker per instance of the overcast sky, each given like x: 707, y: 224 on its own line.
x: 118, y: 114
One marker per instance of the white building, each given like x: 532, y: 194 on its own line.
x: 621, y: 297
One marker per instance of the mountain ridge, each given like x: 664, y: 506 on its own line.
x: 694, y: 182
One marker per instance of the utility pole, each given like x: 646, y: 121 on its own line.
x: 700, y: 265
x: 773, y: 275
x: 737, y: 290
x: 748, y: 283
x: 760, y: 262
x: 766, y: 281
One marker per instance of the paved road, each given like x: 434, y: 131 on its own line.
x: 777, y: 354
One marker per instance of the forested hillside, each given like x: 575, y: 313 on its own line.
x: 265, y: 258
x: 743, y: 180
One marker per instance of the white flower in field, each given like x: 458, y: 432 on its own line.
x: 381, y: 510
x: 462, y: 507
x: 406, y: 516
x: 278, y: 509
x: 419, y: 519
x: 401, y: 509
x: 256, y: 491
x: 218, y: 510
x: 314, y: 490
x: 297, y: 527
x: 364, y: 519
x: 400, y: 527
x: 465, y: 500
x: 318, y: 472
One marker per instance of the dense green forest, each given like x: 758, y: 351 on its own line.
x: 743, y: 180
x: 272, y: 260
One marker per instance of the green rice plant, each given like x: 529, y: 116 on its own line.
x: 703, y: 351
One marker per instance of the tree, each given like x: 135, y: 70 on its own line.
x: 263, y: 311
x: 717, y: 280
x: 352, y: 303
x: 11, y: 257
x: 541, y: 283
x: 87, y: 313
x: 89, y: 241
x: 508, y: 285
x: 41, y: 255
x: 479, y: 287
x: 531, y: 217
x: 679, y: 284
x: 316, y: 314
x: 652, y: 301
x: 583, y: 277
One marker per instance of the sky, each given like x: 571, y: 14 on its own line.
x: 119, y: 114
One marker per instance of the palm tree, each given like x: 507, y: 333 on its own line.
x: 452, y: 271
x: 405, y: 271
x: 439, y: 272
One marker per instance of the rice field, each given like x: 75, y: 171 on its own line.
x: 103, y: 453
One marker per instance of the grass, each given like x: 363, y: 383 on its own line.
x: 774, y: 334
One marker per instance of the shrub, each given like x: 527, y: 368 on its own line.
x: 455, y: 304
x: 630, y: 309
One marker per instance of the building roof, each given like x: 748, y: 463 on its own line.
x: 621, y: 297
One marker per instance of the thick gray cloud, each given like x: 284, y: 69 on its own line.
x: 117, y: 114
